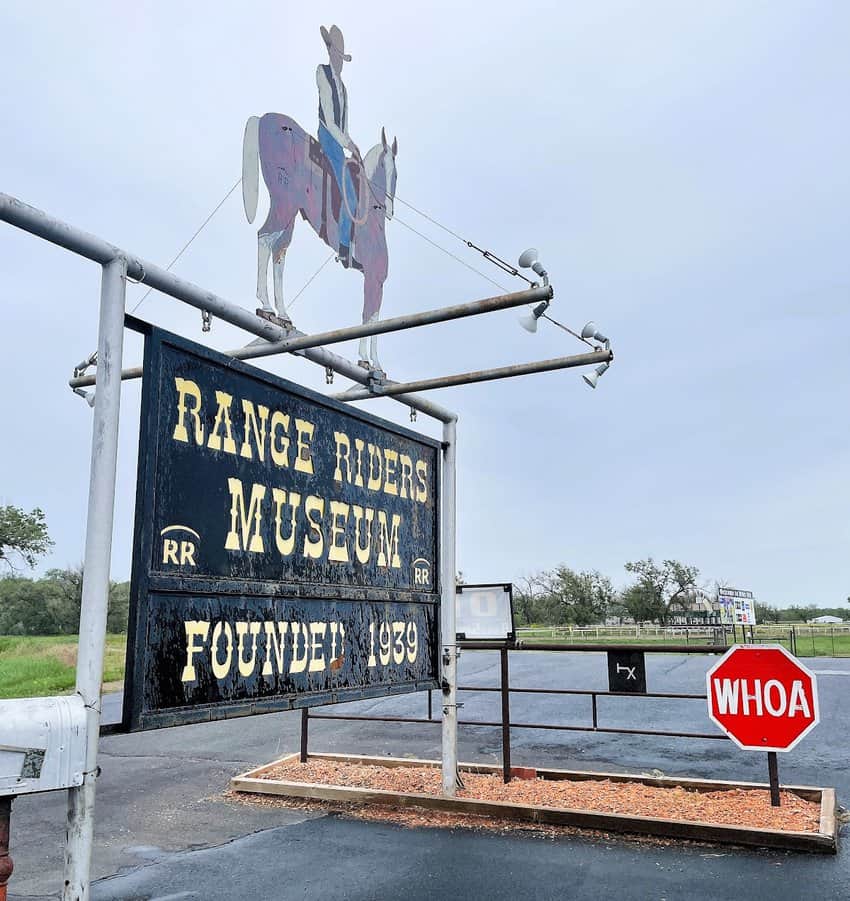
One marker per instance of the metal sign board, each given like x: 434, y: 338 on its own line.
x: 736, y: 607
x: 762, y: 697
x: 627, y: 671
x: 286, y: 546
x: 485, y: 612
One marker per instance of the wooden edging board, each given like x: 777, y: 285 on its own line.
x: 824, y: 841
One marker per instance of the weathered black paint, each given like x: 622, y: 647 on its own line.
x: 183, y: 488
x: 627, y: 671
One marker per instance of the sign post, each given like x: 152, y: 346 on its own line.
x: 764, y: 699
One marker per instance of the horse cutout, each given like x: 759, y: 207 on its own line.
x: 299, y: 178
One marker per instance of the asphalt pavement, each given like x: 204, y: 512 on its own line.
x: 164, y: 830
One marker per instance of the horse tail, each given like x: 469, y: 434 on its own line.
x: 250, y: 167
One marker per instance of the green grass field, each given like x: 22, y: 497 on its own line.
x: 35, y: 665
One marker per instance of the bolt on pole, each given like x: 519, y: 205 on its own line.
x: 98, y: 555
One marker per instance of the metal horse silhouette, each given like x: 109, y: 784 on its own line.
x: 346, y: 200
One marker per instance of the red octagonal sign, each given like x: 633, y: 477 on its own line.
x: 762, y: 698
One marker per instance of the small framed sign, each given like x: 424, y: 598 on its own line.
x: 485, y: 612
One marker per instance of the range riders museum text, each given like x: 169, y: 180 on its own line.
x: 286, y: 546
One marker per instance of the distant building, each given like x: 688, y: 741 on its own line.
x: 826, y: 620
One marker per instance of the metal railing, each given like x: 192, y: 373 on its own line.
x: 505, y: 690
x: 808, y: 640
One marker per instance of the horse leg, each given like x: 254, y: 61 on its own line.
x: 264, y: 251
x: 373, y: 293
x: 363, y: 349
x: 282, y: 240
x: 277, y: 278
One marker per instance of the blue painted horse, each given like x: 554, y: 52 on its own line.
x: 300, y: 179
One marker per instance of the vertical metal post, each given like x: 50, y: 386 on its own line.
x: 506, y: 717
x: 773, y: 775
x: 430, y: 705
x: 448, y: 601
x: 6, y: 865
x: 593, y: 711
x: 305, y: 720
x: 98, y: 555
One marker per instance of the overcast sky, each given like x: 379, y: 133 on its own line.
x: 682, y: 167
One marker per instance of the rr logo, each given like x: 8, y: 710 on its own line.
x: 179, y: 552
x: 421, y: 573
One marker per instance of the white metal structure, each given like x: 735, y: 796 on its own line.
x: 119, y: 265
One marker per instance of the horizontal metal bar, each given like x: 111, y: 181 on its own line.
x: 587, y: 692
x: 301, y: 341
x: 560, y: 646
x: 547, y: 726
x: 374, y: 719
x: 38, y: 223
x: 390, y: 388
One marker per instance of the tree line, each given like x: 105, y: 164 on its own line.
x: 51, y: 605
x: 659, y: 592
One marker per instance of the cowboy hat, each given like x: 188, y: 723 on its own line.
x: 333, y: 38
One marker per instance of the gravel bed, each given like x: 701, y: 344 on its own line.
x: 733, y: 807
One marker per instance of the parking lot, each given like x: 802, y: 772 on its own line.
x: 165, y: 831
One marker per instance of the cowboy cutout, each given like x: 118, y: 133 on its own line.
x: 333, y: 132
x: 346, y: 200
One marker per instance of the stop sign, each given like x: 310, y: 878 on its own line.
x: 762, y: 698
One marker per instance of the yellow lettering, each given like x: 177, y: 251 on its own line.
x: 338, y: 553
x: 304, y: 435
x: 222, y: 415
x: 361, y: 549
x: 285, y: 545
x: 390, y: 461
x: 220, y: 670
x: 250, y: 540
x: 169, y: 551
x: 279, y: 452
x: 343, y: 455
x: 374, y: 481
x: 388, y: 540
x: 421, y: 476
x: 274, y: 642
x: 358, y: 447
x: 246, y: 667
x: 194, y: 629
x: 187, y: 388
x: 314, y: 541
x: 298, y: 665
x: 406, y: 477
x: 317, y: 660
x: 258, y: 430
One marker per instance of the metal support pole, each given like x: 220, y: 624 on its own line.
x: 448, y: 599
x: 6, y: 865
x: 87, y: 245
x: 392, y: 389
x: 430, y: 705
x: 773, y: 775
x: 506, y: 716
x: 98, y: 554
x: 299, y: 341
x: 305, y: 720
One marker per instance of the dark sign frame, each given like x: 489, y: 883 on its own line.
x: 156, y: 594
